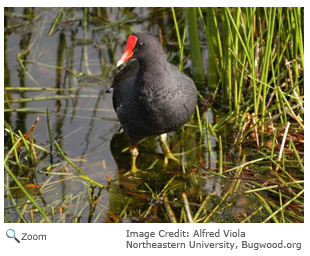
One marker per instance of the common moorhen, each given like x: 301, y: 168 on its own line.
x: 151, y: 96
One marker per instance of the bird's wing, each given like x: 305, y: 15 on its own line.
x: 122, y: 82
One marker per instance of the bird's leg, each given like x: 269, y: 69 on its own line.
x: 165, y: 148
x: 134, y: 154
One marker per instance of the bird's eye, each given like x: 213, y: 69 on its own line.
x: 140, y: 45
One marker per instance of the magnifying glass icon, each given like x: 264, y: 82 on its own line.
x: 10, y: 233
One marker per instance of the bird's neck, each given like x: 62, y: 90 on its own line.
x: 152, y: 73
x: 151, y: 63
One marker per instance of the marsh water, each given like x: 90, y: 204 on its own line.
x: 59, y: 64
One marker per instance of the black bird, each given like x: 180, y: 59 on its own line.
x: 151, y: 96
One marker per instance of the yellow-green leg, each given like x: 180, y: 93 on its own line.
x: 165, y: 148
x: 134, y: 154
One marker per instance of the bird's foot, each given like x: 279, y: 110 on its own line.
x: 170, y: 156
x: 133, y: 169
x: 165, y: 148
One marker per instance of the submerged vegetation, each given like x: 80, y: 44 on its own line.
x: 241, y: 155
